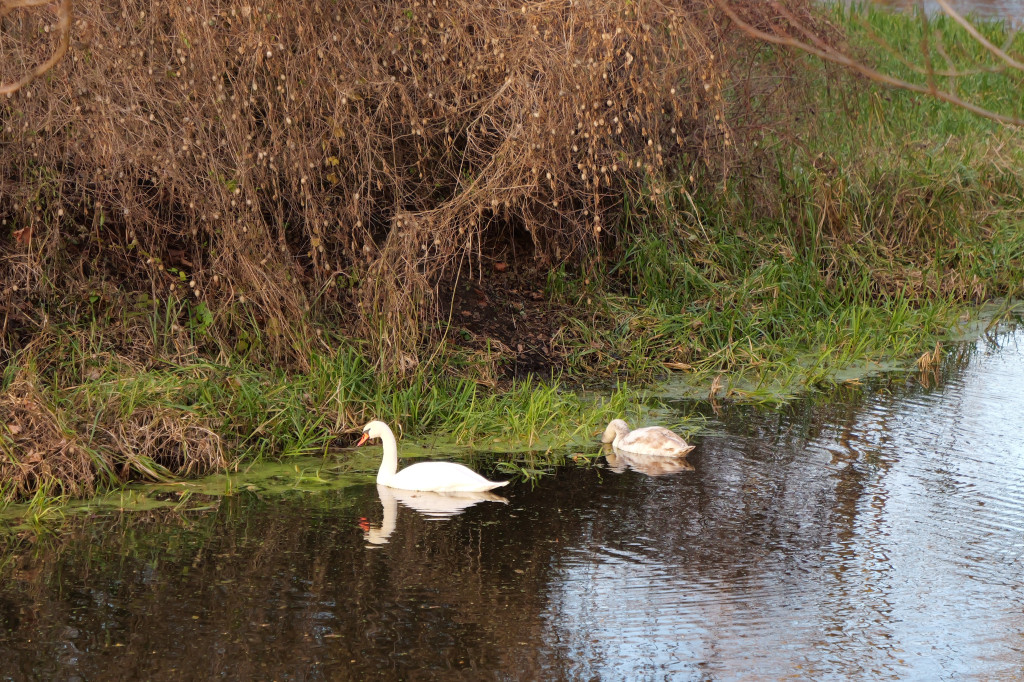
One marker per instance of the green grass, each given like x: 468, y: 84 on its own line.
x: 896, y: 44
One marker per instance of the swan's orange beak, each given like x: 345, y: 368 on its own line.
x: 365, y: 437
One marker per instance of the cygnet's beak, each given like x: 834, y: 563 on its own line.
x: 365, y: 437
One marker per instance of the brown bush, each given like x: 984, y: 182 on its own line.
x: 285, y: 163
x: 38, y: 450
x: 62, y: 451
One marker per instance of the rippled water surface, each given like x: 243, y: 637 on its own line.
x: 874, y: 532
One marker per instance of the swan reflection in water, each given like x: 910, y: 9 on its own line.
x: 620, y: 460
x: 436, y: 506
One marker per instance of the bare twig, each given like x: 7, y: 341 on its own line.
x: 63, y: 11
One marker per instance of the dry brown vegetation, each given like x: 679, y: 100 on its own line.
x: 332, y: 161
x: 46, y: 449
x: 62, y: 10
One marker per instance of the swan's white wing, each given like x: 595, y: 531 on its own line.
x: 441, y: 477
x: 654, y: 440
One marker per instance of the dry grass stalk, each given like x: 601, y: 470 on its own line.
x: 38, y: 450
x: 47, y: 448
x: 930, y: 360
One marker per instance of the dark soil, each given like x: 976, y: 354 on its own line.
x: 504, y: 310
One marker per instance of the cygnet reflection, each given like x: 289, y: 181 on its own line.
x: 437, y: 506
x: 620, y: 460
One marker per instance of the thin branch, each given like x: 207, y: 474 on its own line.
x: 10, y: 5
x: 864, y: 70
x: 63, y: 11
x: 808, y: 33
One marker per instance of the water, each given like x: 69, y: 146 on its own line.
x: 871, y: 533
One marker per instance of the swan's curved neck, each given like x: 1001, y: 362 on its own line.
x: 388, y: 465
x: 621, y: 431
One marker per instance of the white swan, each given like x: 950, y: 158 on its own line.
x: 440, y: 477
x: 434, y: 506
x: 650, y: 440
